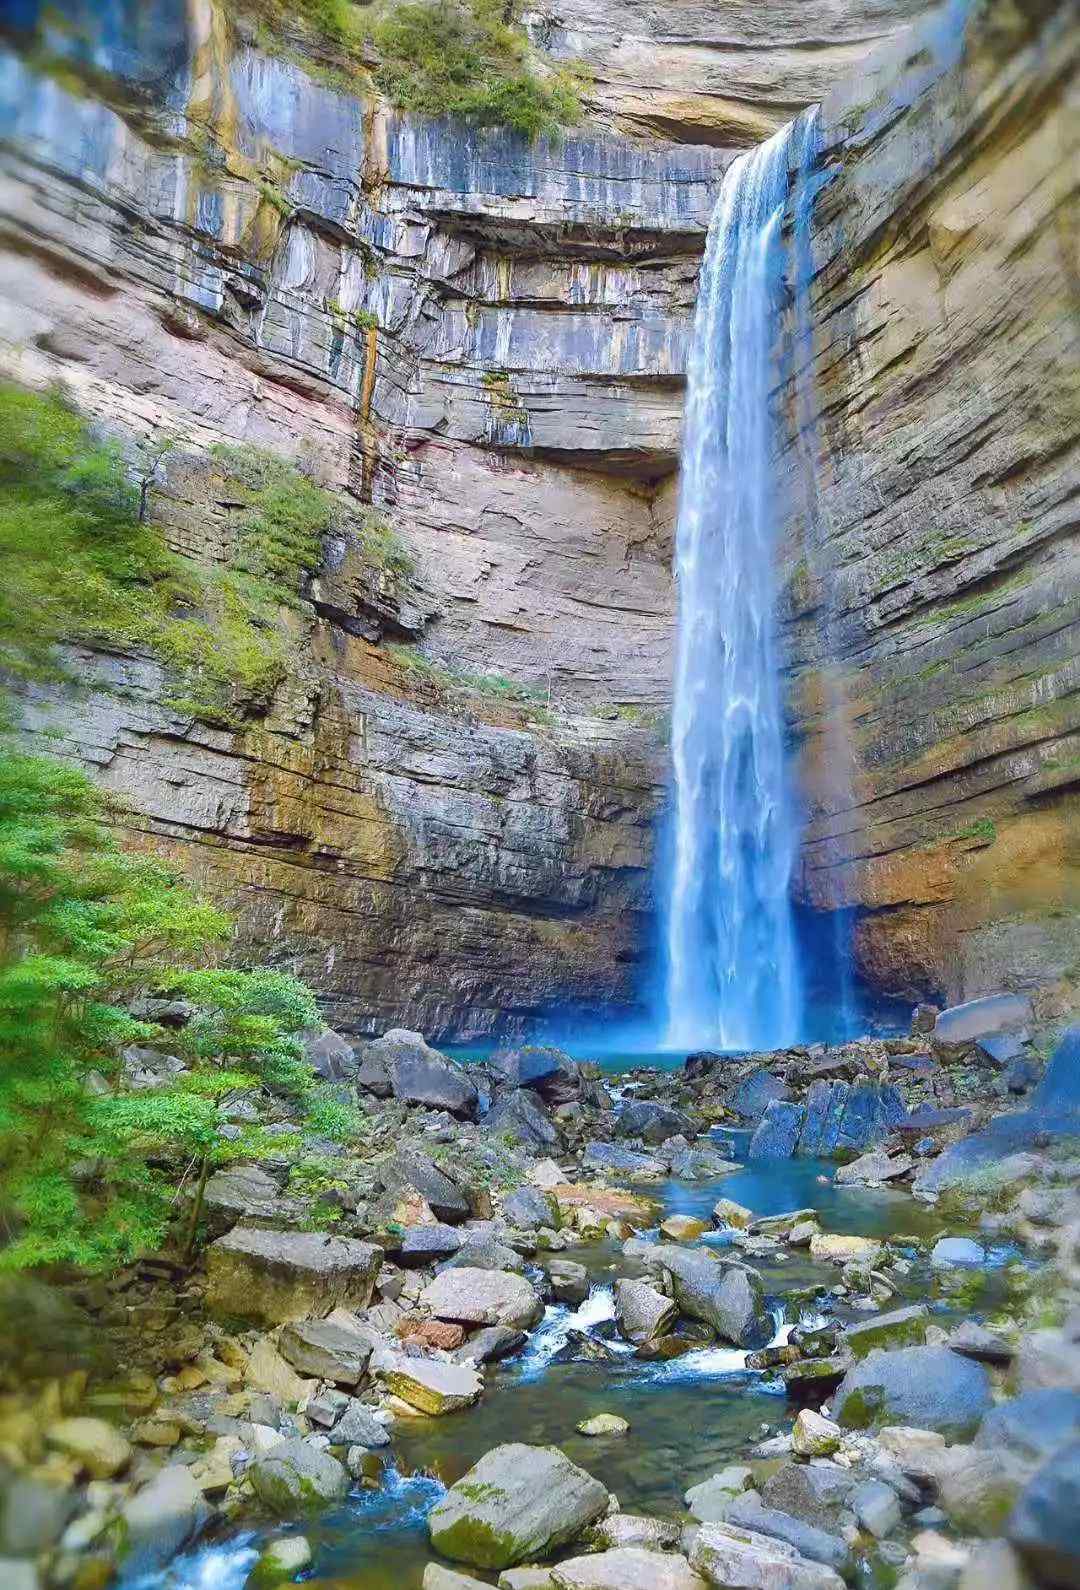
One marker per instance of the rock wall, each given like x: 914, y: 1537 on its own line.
x: 941, y: 571
x: 485, y: 340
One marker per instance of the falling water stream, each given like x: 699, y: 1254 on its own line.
x: 733, y: 976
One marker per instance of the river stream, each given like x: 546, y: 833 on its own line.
x: 688, y: 1416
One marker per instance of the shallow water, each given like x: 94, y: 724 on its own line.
x: 687, y: 1417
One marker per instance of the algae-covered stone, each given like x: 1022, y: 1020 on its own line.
x: 683, y: 1228
x: 296, y: 1477
x: 813, y: 1436
x: 280, y: 1562
x: 901, y: 1327
x: 829, y: 1246
x: 519, y: 1502
x: 430, y: 1385
x: 603, y: 1424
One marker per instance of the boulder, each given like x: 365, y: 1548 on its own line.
x: 33, y: 1513
x: 873, y: 1168
x: 728, y: 1213
x: 418, y: 1074
x: 330, y: 1055
x: 871, y: 1112
x: 728, y: 1299
x: 627, y: 1568
x: 1057, y: 1096
x: 99, y: 1450
x: 711, y: 1501
x: 491, y: 1344
x: 277, y: 1276
x: 817, y: 1492
x: 521, y: 1116
x: 161, y: 1519
x: 430, y: 1385
x: 727, y: 1555
x: 1033, y: 1426
x: 832, y: 1248
x: 642, y: 1313
x: 529, y: 1208
x: 1046, y: 1360
x: 900, y: 1327
x: 824, y: 1112
x: 428, y: 1244
x: 280, y: 1562
x: 518, y: 1503
x: 876, y: 1507
x: 974, y: 1341
x: 325, y: 1351
x: 754, y: 1095
x: 409, y: 1168
x: 542, y: 1067
x: 634, y: 1529
x: 357, y: 1426
x: 484, y: 1253
x: 978, y: 1488
x: 569, y: 1281
x: 777, y: 1132
x: 813, y: 1436
x: 296, y: 1477
x: 683, y: 1228
x: 653, y: 1122
x: 925, y: 1386
x: 436, y: 1577
x: 748, y: 1511
x: 1043, y: 1526
x: 994, y: 1565
x: 600, y: 1424
x: 610, y: 1158
x: 249, y: 1194
x: 962, y: 1024
x: 701, y: 1163
x: 470, y: 1296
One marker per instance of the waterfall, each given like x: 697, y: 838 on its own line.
x: 732, y: 964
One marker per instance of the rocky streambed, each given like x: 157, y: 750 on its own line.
x: 572, y: 1329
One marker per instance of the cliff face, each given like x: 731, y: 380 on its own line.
x: 943, y: 573
x: 485, y: 340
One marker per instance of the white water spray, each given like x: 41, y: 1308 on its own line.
x: 732, y: 968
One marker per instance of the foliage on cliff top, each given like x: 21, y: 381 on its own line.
x: 443, y: 57
x: 80, y: 563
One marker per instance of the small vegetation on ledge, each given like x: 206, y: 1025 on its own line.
x: 456, y: 687
x: 442, y: 57
x: 81, y: 564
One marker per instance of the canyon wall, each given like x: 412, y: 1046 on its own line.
x: 933, y: 591
x: 484, y: 340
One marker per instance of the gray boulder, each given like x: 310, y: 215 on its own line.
x: 418, y: 1074
x: 528, y: 1208
x: 161, y: 1519
x: 777, y: 1133
x: 754, y: 1095
x: 816, y: 1545
x: 521, y: 1116
x: 1033, y: 1426
x: 33, y: 1513
x: 641, y: 1311
x: 518, y: 1504
x: 357, y: 1426
x: 728, y: 1299
x: 545, y: 1069
x: 492, y: 1343
x: 820, y: 1131
x: 296, y: 1477
x: 469, y: 1296
x: 429, y: 1244
x: 323, y: 1351
x: 928, y: 1387
x: 817, y: 1492
x: 728, y: 1555
x: 1058, y: 1094
x: 409, y: 1168
x: 277, y: 1276
x: 569, y: 1281
x: 485, y: 1253
x: 1043, y: 1525
x: 956, y: 1250
x: 653, y: 1122
x: 608, y: 1157
x: 962, y: 1024
x: 330, y: 1055
x: 701, y: 1164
